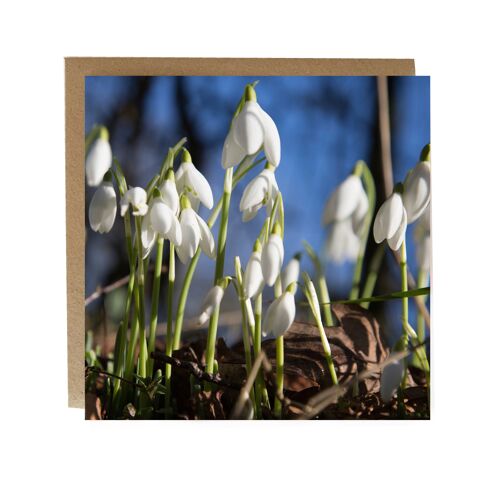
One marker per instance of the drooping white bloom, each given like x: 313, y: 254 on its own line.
x: 280, y: 315
x: 261, y: 190
x: 390, y: 222
x: 170, y: 195
x: 272, y: 258
x: 137, y: 198
x: 391, y: 378
x: 348, y: 200
x: 164, y: 222
x: 291, y: 272
x: 98, y: 161
x: 194, y: 232
x: 253, y: 280
x: 250, y: 130
x: 342, y: 242
x: 192, y: 182
x: 422, y: 235
x: 417, y: 190
x: 102, y: 209
x: 212, y: 300
x: 346, y: 211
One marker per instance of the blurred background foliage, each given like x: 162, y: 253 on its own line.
x: 325, y: 123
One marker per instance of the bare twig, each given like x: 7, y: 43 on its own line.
x: 103, y: 290
x: 195, y: 370
x: 385, y: 133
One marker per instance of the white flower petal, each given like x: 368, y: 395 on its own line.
x: 342, y: 243
x: 272, y: 259
x: 359, y: 215
x: 253, y: 280
x: 424, y: 253
x: 190, y: 235
x: 388, y: 218
x: 344, y: 200
x: 397, y: 239
x: 248, y: 129
x: 232, y: 153
x: 98, y: 161
x: 249, y: 214
x: 267, y: 324
x: 207, y: 242
x: 291, y: 273
x: 390, y: 379
x: 102, y: 209
x: 162, y: 217
x: 282, y: 315
x: 196, y: 180
x: 272, y: 143
x: 170, y: 195
x: 417, y: 191
x: 175, y: 232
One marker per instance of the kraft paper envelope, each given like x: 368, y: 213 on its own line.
x: 76, y: 69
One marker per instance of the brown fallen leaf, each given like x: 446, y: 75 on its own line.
x: 356, y: 345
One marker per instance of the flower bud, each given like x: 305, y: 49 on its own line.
x: 212, y: 300
x: 390, y: 222
x: 98, y: 161
x: 272, y: 258
x: 102, y: 209
x: 280, y: 315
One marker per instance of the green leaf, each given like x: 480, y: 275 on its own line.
x: 390, y: 296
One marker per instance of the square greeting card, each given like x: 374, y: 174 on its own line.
x: 248, y: 239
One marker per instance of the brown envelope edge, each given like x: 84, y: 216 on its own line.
x: 76, y: 69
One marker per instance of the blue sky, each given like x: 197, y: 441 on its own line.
x: 325, y: 123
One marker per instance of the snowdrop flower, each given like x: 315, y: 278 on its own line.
x: 253, y: 280
x: 272, y: 256
x: 137, y: 198
x: 99, y: 159
x: 391, y: 378
x: 195, y: 232
x: 102, y: 209
x: 346, y: 211
x: 342, y: 242
x: 280, y: 314
x: 251, y: 130
x: 417, y: 190
x: 261, y: 190
x: 391, y: 220
x: 169, y: 192
x: 160, y: 221
x: 422, y: 235
x: 212, y: 300
x: 192, y: 182
x: 349, y: 200
x: 291, y: 272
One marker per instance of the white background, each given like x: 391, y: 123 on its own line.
x: 48, y: 450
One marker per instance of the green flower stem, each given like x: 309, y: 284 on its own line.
x: 140, y: 305
x: 373, y: 271
x: 154, y: 304
x: 404, y: 316
x: 181, y: 305
x: 421, y: 282
x: 322, y: 286
x: 248, y: 323
x: 134, y: 335
x: 170, y: 306
x: 219, y: 268
x: 369, y: 183
x: 280, y: 360
x: 280, y: 374
x: 312, y: 299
